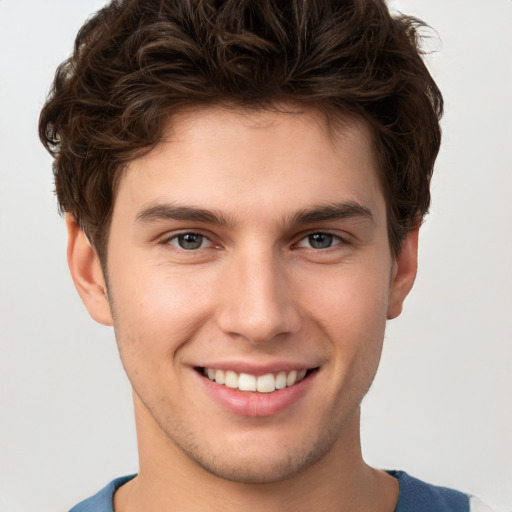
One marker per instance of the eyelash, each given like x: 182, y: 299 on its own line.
x: 176, y: 237
x: 334, y: 240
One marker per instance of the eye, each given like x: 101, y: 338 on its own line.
x: 320, y: 241
x: 189, y: 241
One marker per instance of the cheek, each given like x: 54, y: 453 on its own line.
x: 154, y: 317
x: 155, y: 311
x: 348, y: 299
x: 352, y: 310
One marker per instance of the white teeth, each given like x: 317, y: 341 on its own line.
x: 219, y: 376
x: 266, y: 383
x: 231, y: 379
x: 246, y: 382
x: 281, y: 380
x: 291, y: 378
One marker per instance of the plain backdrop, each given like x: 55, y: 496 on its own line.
x: 440, y: 407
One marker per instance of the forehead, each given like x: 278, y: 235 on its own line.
x: 240, y: 160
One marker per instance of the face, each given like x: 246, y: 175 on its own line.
x: 249, y: 282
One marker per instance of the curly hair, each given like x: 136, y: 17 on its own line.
x: 136, y: 62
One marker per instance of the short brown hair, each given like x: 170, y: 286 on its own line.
x: 135, y: 62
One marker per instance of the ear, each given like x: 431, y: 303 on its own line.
x: 404, y: 273
x: 87, y: 274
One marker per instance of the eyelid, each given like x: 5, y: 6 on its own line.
x: 342, y: 237
x: 169, y: 237
x: 339, y: 239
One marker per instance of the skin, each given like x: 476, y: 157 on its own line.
x: 253, y: 294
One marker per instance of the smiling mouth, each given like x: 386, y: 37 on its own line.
x: 267, y: 383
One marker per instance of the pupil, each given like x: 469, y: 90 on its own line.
x: 320, y: 240
x: 190, y: 241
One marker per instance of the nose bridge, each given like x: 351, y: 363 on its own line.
x: 257, y: 301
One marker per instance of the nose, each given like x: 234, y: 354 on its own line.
x: 257, y: 301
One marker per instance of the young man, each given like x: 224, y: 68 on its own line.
x: 244, y: 184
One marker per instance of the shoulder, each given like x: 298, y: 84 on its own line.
x: 102, y: 500
x: 418, y: 496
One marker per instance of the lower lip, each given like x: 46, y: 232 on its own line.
x: 246, y: 403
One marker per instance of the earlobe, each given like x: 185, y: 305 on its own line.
x: 87, y: 274
x: 404, y: 273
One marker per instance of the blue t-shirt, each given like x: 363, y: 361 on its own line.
x: 414, y: 496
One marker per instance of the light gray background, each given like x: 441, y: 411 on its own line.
x: 440, y: 407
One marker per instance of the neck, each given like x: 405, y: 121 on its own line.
x: 169, y: 480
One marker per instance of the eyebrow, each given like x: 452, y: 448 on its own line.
x: 156, y: 212
x: 332, y: 211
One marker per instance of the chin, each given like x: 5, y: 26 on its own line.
x: 256, y: 466
x: 249, y: 472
